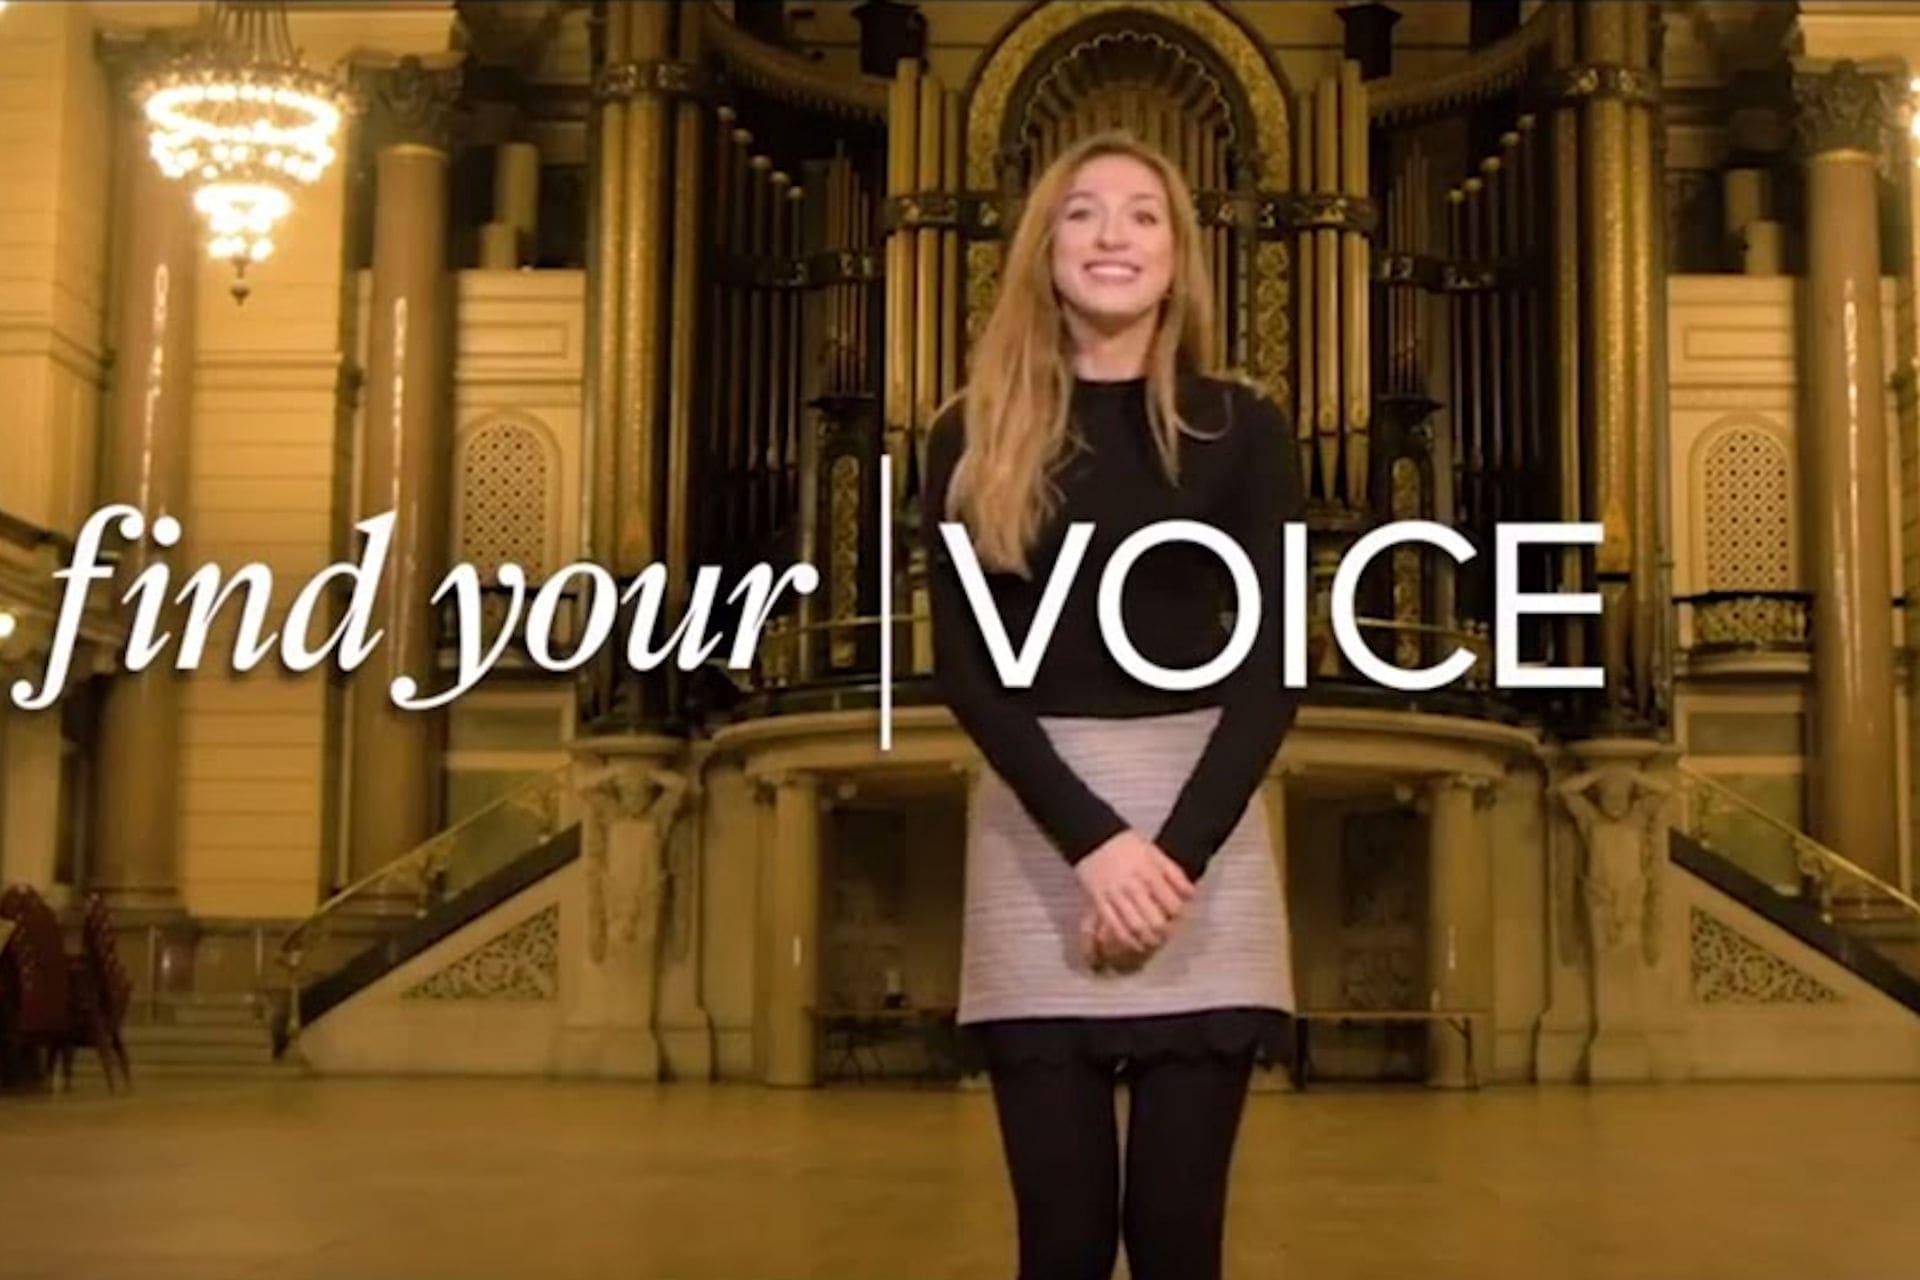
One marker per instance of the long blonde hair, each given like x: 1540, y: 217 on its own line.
x: 1021, y: 374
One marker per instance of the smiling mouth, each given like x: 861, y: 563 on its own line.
x: 1111, y: 272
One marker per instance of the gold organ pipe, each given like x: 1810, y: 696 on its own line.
x: 840, y: 196
x: 1493, y: 322
x: 640, y: 365
x: 607, y: 294
x: 1327, y: 279
x: 720, y: 319
x: 866, y: 217
x: 816, y: 331
x: 1458, y: 357
x: 1473, y: 209
x: 789, y: 452
x: 759, y: 376
x: 1356, y: 343
x: 1306, y: 291
x: 902, y: 139
x: 736, y: 305
x: 833, y: 238
x: 949, y: 249
x: 778, y: 237
x: 1514, y: 339
x: 682, y: 373
x: 926, y: 320
x: 1533, y: 199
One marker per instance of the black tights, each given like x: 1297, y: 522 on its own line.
x: 1061, y: 1139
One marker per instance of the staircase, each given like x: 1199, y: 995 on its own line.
x: 1839, y: 908
x: 368, y: 929
x: 225, y: 1041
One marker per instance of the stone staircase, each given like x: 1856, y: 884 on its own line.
x: 227, y: 1039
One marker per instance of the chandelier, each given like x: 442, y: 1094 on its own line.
x: 238, y: 116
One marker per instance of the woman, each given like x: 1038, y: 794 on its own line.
x: 1123, y: 916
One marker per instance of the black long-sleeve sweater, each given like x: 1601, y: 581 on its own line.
x: 1176, y: 607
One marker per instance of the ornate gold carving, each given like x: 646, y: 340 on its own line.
x: 1730, y: 968
x: 983, y: 277
x: 1843, y: 109
x: 1010, y: 58
x: 1330, y: 211
x: 843, y: 531
x: 1566, y: 85
x: 409, y: 103
x: 1751, y: 622
x: 1270, y: 353
x: 789, y: 77
x: 521, y: 964
x: 1408, y: 588
x: 622, y: 80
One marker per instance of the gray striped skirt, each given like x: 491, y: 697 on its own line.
x: 1225, y: 975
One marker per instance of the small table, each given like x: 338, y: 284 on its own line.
x: 866, y: 1028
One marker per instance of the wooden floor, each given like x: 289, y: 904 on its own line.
x: 421, y: 1180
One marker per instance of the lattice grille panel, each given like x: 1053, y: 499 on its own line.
x: 1746, y: 483
x: 507, y: 474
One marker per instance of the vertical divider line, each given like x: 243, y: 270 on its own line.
x: 886, y: 600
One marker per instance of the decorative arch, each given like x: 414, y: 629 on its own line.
x: 1212, y: 30
x: 1211, y: 45
x: 1741, y: 475
x: 506, y: 504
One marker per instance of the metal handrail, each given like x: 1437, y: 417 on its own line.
x: 419, y: 865
x: 1807, y: 850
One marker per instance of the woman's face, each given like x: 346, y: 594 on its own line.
x: 1113, y: 242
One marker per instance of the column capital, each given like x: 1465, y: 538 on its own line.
x: 409, y: 103
x: 1841, y: 108
x: 128, y: 56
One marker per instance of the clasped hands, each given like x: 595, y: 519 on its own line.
x: 1135, y: 896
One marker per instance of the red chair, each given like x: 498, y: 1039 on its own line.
x: 33, y: 971
x: 100, y: 992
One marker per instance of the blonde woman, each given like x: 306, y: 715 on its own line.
x: 1123, y: 915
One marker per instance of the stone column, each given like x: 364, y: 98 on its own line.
x: 793, y: 891
x: 1459, y: 924
x: 144, y: 460
x: 404, y: 459
x: 1843, y: 467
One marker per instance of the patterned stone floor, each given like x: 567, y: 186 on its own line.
x: 423, y: 1180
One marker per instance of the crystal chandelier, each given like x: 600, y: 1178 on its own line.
x: 238, y: 116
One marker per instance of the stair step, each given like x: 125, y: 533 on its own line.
x: 212, y: 1013
x: 246, y: 1047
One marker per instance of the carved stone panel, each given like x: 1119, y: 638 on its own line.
x: 521, y: 964
x: 1730, y: 968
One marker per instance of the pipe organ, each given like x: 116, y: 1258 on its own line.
x: 1397, y: 263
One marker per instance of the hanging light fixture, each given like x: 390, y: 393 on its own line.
x: 240, y: 118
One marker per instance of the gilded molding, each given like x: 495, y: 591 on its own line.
x: 1841, y: 109
x: 409, y: 104
x: 789, y: 77
x: 1321, y: 211
x: 1565, y: 86
x: 621, y: 81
